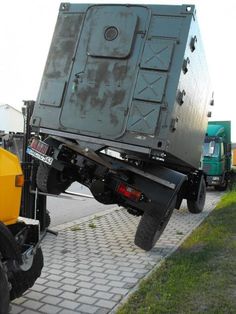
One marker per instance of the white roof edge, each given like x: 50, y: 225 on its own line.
x: 9, y: 106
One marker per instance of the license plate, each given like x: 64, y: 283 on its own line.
x: 39, y: 146
x: 38, y: 150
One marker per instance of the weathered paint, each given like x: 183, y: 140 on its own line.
x: 128, y: 74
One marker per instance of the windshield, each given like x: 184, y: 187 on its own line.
x: 211, y: 149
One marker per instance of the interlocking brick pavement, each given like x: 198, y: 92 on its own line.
x: 93, y: 264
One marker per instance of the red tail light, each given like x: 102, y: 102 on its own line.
x: 129, y: 192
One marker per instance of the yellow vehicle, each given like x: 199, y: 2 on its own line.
x: 21, y: 258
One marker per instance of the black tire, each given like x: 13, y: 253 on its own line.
x: 52, y: 181
x: 4, y: 291
x: 196, y: 207
x: 47, y: 219
x: 222, y: 187
x: 23, y: 277
x: 8, y: 246
x: 150, y: 228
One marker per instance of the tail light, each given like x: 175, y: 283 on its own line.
x: 19, y: 180
x: 129, y: 192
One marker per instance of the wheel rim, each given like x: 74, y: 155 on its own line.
x: 28, y: 262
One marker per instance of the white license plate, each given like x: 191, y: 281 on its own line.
x: 47, y: 159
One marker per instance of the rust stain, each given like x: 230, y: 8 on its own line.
x: 118, y: 97
x: 119, y: 72
x: 114, y: 120
x: 101, y: 90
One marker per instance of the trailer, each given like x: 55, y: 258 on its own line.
x: 122, y: 108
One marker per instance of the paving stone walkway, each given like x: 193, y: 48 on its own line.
x: 93, y: 264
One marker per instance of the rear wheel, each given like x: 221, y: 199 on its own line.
x: 52, y: 181
x: 4, y: 291
x: 150, y: 228
x: 197, y: 206
x: 47, y: 219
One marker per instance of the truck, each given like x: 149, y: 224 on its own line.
x: 217, y: 154
x: 21, y: 258
x: 122, y: 108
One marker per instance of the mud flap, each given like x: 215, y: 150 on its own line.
x: 155, y: 218
x: 151, y: 227
x: 160, y: 187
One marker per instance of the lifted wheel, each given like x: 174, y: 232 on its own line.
x: 50, y: 180
x: 197, y: 206
x: 4, y: 291
x: 150, y: 228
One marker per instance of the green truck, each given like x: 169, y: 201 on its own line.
x: 131, y: 80
x: 217, y: 154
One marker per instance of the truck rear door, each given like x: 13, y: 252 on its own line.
x: 98, y: 96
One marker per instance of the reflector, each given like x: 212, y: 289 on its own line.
x: 19, y: 180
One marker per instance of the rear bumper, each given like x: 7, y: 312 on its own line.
x: 215, y: 180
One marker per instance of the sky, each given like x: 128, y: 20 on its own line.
x: 26, y: 29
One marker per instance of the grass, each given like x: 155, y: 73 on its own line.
x: 198, y: 278
x: 76, y: 228
x: 92, y: 225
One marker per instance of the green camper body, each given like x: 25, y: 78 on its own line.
x: 130, y: 80
x: 217, y: 154
x: 124, y: 76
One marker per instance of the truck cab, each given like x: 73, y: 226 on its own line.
x: 217, y: 154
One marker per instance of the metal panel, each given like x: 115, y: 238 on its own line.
x: 59, y: 59
x: 98, y: 96
x: 98, y: 104
x: 111, y: 34
x: 157, y: 54
x: 63, y: 44
x: 150, y: 85
x: 166, y: 26
x: 47, y: 96
x: 143, y: 117
x: 117, y: 81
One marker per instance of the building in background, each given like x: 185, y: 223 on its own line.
x: 11, y: 119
